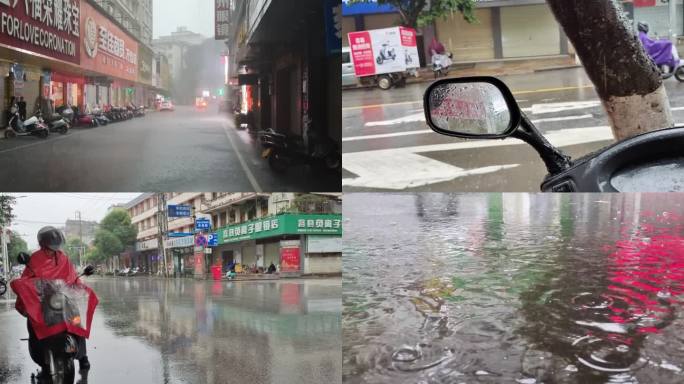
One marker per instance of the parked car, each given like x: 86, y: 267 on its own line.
x: 166, y: 105
x: 348, y: 75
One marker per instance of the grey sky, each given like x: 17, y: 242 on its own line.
x: 37, y: 210
x: 197, y: 15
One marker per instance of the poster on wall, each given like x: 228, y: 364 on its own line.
x: 290, y: 260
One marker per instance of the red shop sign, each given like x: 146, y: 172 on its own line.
x: 644, y: 3
x: 64, y: 78
x: 106, y: 48
x: 48, y: 28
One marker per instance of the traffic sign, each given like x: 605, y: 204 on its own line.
x: 202, y: 224
x: 179, y: 234
x: 213, y: 240
x: 181, y: 210
x: 200, y: 241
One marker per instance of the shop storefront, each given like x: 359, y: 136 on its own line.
x: 67, y: 89
x: 284, y: 241
x: 180, y: 253
x: 147, y: 255
x: 109, y: 51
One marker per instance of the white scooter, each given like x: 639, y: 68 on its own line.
x: 441, y: 63
x: 33, y: 126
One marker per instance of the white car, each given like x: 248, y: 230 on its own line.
x: 166, y: 105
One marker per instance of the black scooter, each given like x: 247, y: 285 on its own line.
x: 283, y: 151
x: 56, y: 123
x: 59, y: 351
x: 3, y: 286
x: 650, y: 162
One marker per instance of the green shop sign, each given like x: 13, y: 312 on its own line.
x: 285, y: 224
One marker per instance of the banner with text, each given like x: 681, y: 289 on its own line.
x: 50, y: 28
x: 285, y: 224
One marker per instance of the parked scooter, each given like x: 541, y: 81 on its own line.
x: 99, y: 116
x: 56, y: 123
x: 648, y: 162
x: 441, y: 63
x: 3, y: 286
x: 30, y: 127
x: 386, y: 53
x: 283, y: 152
x: 60, y: 314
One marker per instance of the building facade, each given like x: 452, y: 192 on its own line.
x: 79, y: 55
x: 281, y: 60
x: 298, y: 233
x: 135, y: 16
x: 503, y: 31
x: 80, y: 229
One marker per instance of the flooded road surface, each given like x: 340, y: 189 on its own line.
x: 506, y: 288
x: 149, y: 330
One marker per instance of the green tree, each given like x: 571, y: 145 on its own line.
x: 418, y: 13
x: 73, y: 247
x: 115, y: 233
x: 118, y: 222
x: 107, y: 244
x: 16, y: 245
x: 6, y: 213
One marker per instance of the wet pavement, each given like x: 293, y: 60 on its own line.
x: 182, y: 151
x: 388, y: 146
x: 148, y: 330
x: 513, y: 288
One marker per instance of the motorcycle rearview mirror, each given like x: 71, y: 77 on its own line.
x: 89, y: 270
x: 23, y: 258
x: 483, y: 107
x: 471, y: 108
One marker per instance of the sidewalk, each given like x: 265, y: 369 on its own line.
x: 493, y: 68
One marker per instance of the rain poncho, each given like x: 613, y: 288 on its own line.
x: 659, y: 50
x: 48, y: 272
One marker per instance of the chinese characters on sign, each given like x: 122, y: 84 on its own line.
x: 222, y: 16
x: 50, y: 27
x: 319, y: 223
x: 251, y: 228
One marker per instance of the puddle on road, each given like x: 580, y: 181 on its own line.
x: 489, y: 288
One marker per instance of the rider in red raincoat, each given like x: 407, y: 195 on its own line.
x: 50, y: 262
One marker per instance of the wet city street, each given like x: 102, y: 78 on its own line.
x: 506, y: 288
x: 149, y: 330
x: 183, y: 150
x: 388, y: 146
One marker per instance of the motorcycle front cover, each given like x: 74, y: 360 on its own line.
x: 28, y: 291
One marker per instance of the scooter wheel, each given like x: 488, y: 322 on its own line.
x: 679, y: 74
x: 64, y: 130
x: 3, y: 288
x: 44, y: 134
x: 277, y: 162
x: 10, y: 134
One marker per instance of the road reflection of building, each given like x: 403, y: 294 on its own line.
x: 595, y: 307
x: 208, y: 330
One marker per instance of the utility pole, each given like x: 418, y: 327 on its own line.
x: 80, y: 237
x: 162, y: 225
x: 3, y: 249
x: 673, y: 21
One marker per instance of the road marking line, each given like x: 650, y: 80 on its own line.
x: 45, y: 141
x: 386, y: 135
x: 400, y: 168
x: 425, y: 131
x: 421, y: 101
x: 245, y: 168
